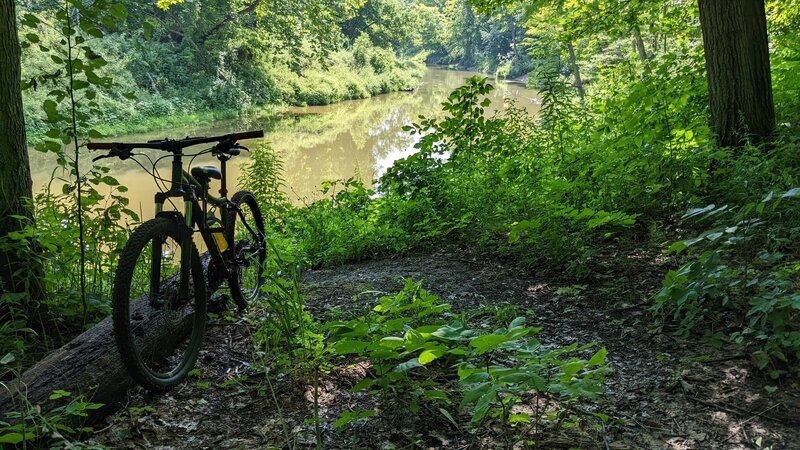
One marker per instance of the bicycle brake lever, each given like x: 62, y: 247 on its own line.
x: 121, y: 154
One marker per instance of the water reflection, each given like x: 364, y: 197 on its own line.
x: 317, y: 143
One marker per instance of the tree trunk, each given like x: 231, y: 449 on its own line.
x: 639, y: 44
x: 17, y: 274
x: 738, y: 70
x: 576, y: 71
x: 573, y: 60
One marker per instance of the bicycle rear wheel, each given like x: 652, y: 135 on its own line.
x: 246, y: 231
x: 158, y: 323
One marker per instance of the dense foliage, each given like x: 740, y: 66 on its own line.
x: 620, y: 159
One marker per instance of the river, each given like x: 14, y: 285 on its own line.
x: 315, y: 143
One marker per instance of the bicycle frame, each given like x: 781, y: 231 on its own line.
x: 186, y: 187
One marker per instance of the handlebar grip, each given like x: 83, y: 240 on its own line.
x: 247, y: 135
x: 100, y: 145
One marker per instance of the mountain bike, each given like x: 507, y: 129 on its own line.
x: 160, y: 287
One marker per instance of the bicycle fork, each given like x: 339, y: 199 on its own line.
x: 157, y: 255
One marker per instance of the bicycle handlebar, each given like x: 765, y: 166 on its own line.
x: 100, y: 145
x: 177, y: 144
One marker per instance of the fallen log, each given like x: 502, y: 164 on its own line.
x: 90, y: 364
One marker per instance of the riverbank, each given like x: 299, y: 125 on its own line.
x: 343, y: 79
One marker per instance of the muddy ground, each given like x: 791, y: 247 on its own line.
x: 664, y: 393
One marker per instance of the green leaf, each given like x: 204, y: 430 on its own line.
x: 571, y: 368
x: 429, y: 355
x: 475, y: 393
x: 94, y: 32
x: 392, y: 342
x: 347, y: 417
x: 448, y: 416
x: 79, y: 84
x: 482, y: 407
x: 488, y: 342
x: 11, y: 438
x: 8, y: 358
x: 363, y: 385
x: 435, y: 395
x: 119, y: 11
x: 408, y: 365
x: 519, y: 418
x: 49, y: 106
x: 32, y: 37
x: 147, y: 28
x: 348, y: 346
x: 58, y: 393
x: 598, y: 358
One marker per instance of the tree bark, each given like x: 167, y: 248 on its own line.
x: 17, y: 273
x: 639, y: 44
x: 738, y: 71
x: 573, y: 61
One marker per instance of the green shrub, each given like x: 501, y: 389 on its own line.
x: 745, y: 265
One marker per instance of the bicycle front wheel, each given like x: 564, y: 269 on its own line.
x: 246, y: 228
x: 159, y: 310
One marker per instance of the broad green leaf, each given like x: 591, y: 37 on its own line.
x: 12, y: 438
x: 363, y: 385
x: 79, y: 84
x: 571, y: 368
x: 518, y: 418
x: 408, y: 365
x: 392, y: 342
x: 429, y: 355
x: 119, y: 11
x: 598, y: 358
x: 475, y: 393
x: 349, y: 346
x: 482, y: 407
x: 488, y: 342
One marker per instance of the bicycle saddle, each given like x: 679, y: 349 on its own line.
x: 204, y: 173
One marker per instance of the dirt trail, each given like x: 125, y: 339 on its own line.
x: 664, y: 393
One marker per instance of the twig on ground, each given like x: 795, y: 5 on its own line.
x: 735, y: 410
x: 748, y: 420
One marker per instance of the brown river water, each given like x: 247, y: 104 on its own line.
x: 315, y: 143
